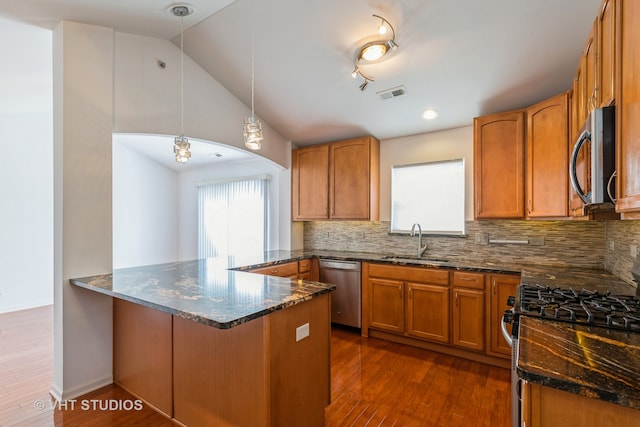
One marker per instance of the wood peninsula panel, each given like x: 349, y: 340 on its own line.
x: 142, y: 363
x: 220, y: 375
x: 300, y: 376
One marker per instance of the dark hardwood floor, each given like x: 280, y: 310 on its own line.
x: 374, y: 383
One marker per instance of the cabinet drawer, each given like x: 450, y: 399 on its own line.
x: 464, y: 279
x: 283, y: 270
x: 304, y: 265
x: 412, y: 274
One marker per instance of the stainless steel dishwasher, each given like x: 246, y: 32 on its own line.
x: 346, y: 302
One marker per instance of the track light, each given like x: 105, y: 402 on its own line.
x: 374, y: 51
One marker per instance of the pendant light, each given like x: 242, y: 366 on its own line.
x: 252, y: 126
x: 181, y: 144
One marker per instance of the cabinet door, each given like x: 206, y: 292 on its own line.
x: 428, y: 311
x: 499, y: 165
x: 627, y: 107
x: 386, y: 305
x: 468, y: 318
x: 547, y: 158
x: 310, y: 183
x: 501, y: 287
x: 350, y: 179
x: 589, y: 67
x: 606, y: 53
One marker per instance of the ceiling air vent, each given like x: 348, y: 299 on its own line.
x: 392, y: 93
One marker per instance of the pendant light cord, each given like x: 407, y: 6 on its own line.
x: 182, y: 76
x: 253, y: 72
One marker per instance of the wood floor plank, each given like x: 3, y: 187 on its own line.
x: 375, y: 383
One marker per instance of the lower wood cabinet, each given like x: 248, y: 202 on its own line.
x: 456, y: 312
x: 501, y: 287
x: 427, y: 311
x: 468, y: 308
x: 409, y: 300
x: 305, y: 269
x: 544, y: 406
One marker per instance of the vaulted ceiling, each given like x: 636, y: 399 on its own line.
x: 463, y: 58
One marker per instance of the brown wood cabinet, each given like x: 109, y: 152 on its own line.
x: 427, y: 311
x: 310, y: 183
x: 339, y: 180
x: 627, y: 108
x: 544, y: 406
x: 468, y: 310
x: 548, y: 157
x: 606, y: 67
x: 409, y: 300
x: 500, y: 286
x: 499, y: 165
x: 589, y: 67
x: 288, y: 269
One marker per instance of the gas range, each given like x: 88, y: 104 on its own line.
x: 578, y: 306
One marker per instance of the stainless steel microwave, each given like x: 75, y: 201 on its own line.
x: 592, y: 165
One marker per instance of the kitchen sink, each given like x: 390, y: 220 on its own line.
x: 409, y: 258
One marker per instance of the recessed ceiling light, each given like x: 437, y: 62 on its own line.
x: 430, y: 114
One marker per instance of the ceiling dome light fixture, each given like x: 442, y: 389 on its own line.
x: 374, y: 51
x: 430, y: 114
x: 181, y: 143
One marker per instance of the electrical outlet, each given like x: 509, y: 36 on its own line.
x: 482, y: 238
x: 302, y: 332
x: 634, y: 251
x: 612, y: 245
x: 536, y: 241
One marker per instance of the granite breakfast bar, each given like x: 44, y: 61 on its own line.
x: 210, y: 346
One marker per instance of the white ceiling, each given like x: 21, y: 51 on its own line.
x: 462, y: 57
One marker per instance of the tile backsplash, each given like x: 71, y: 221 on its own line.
x: 578, y: 243
x: 563, y: 243
x: 621, y: 236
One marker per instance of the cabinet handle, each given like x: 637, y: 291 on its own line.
x: 467, y: 279
x: 529, y: 205
x: 456, y: 299
x: 494, y: 287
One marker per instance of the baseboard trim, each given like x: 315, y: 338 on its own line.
x: 80, y: 390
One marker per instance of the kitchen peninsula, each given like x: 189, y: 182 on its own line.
x: 210, y: 346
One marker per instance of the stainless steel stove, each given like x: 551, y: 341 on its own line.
x: 586, y: 307
x: 579, y: 306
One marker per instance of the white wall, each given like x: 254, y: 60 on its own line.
x: 145, y: 210
x: 188, y: 201
x: 26, y: 188
x: 427, y: 147
x: 83, y: 119
x: 147, y: 98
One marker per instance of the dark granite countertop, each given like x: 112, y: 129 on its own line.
x: 590, y: 361
x: 204, y: 290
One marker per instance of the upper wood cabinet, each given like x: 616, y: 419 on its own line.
x: 606, y: 53
x: 547, y: 158
x: 589, y: 65
x: 627, y: 111
x: 310, y: 182
x: 498, y: 154
x: 339, y: 180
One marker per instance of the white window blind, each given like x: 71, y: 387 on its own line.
x: 233, y: 217
x: 430, y: 194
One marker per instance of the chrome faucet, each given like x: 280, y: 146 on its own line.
x: 421, y: 249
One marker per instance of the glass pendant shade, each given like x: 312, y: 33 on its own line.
x: 181, y: 149
x: 252, y: 133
